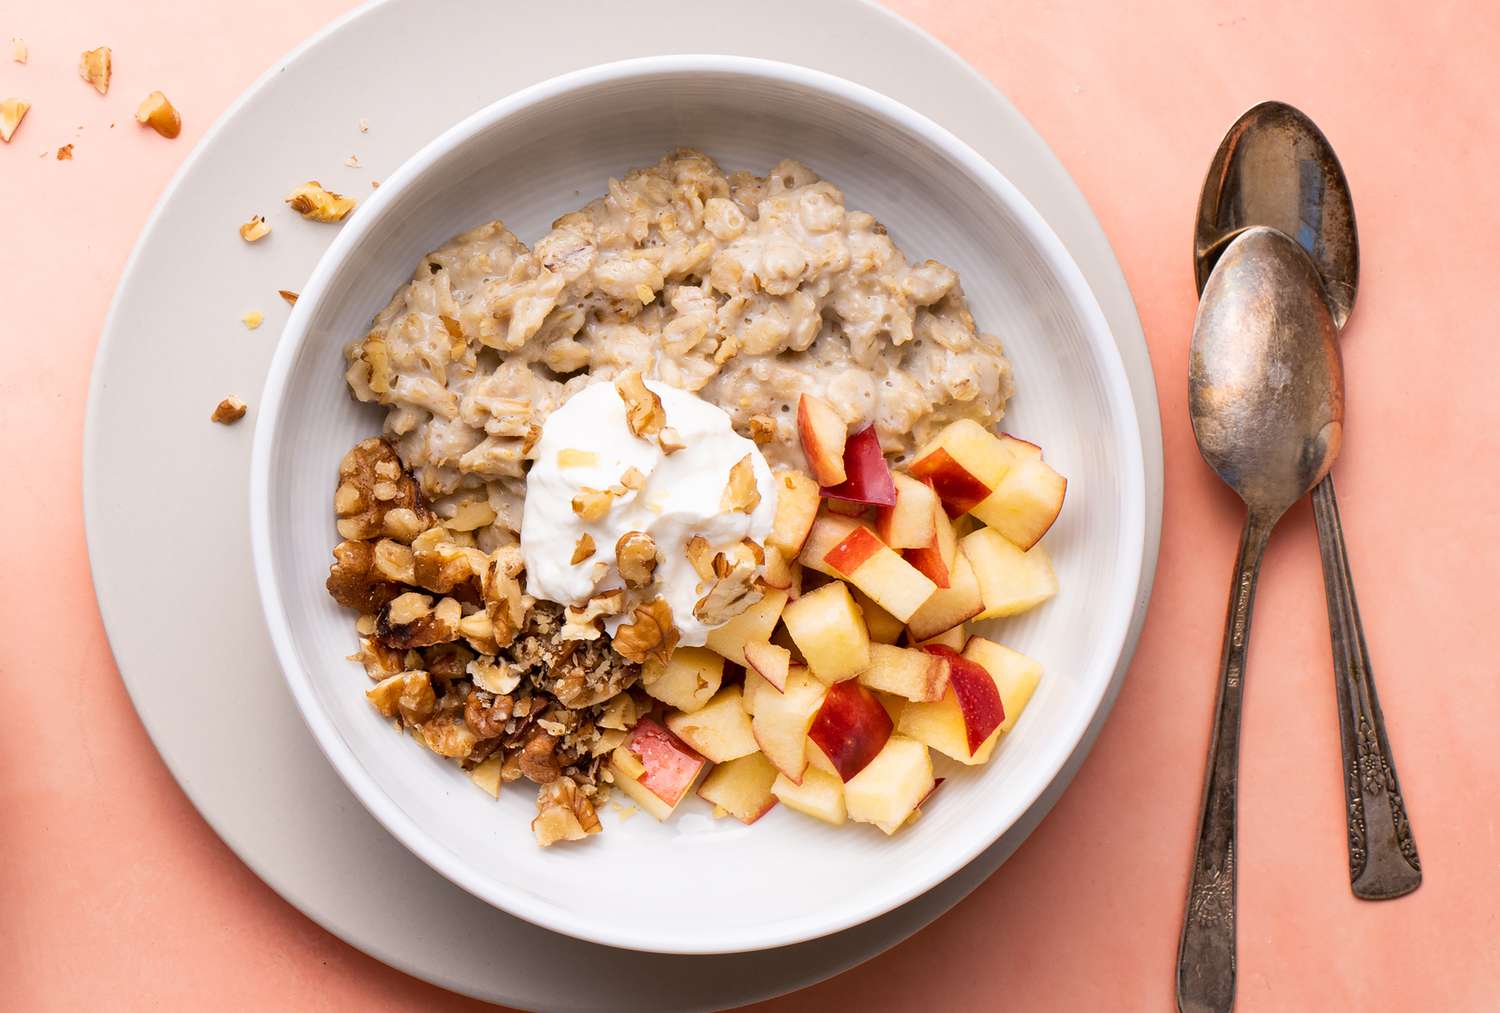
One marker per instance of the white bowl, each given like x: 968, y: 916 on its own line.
x: 695, y: 885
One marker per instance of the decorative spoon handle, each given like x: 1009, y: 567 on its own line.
x: 1205, y: 956
x: 1383, y: 860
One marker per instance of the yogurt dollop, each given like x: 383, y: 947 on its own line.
x: 587, y: 444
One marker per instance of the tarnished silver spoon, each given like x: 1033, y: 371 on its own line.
x: 1266, y: 394
x: 1275, y: 167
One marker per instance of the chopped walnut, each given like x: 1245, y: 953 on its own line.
x: 494, y: 676
x: 651, y: 635
x: 670, y: 441
x: 505, y: 602
x: 313, y: 202
x: 479, y: 630
x: 539, y: 759
x: 65, y: 153
x: 741, y: 493
x: 379, y: 661
x: 564, y: 813
x: 94, y: 67
x: 12, y: 112
x: 734, y: 588
x: 231, y: 409
x: 360, y: 511
x: 407, y: 694
x: 643, y: 411
x: 403, y: 524
x: 290, y: 297
x: 583, y: 550
x: 701, y: 555
x: 762, y: 429
x: 448, y: 735
x: 635, y: 556
x: 160, y: 115
x: 486, y: 715
x: 395, y: 562
x: 593, y: 504
x: 583, y: 623
x: 633, y: 480
x: 620, y: 714
x: 256, y: 228
x: 352, y: 581
x: 352, y: 161
x: 411, y: 620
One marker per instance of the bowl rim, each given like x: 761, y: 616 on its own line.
x: 858, y: 907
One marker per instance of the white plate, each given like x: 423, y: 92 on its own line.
x: 260, y: 782
x: 693, y: 884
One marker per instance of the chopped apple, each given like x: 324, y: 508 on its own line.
x: 954, y: 639
x: 850, y: 728
x: 908, y: 524
x: 741, y: 787
x: 953, y: 725
x: 892, y: 785
x: 1020, y: 448
x: 940, y: 554
x: 754, y: 624
x: 883, y: 627
x: 823, y: 434
x: 818, y: 794
x: 1010, y: 580
x: 829, y: 632
x: 770, y: 661
x: 687, y: 681
x: 755, y: 685
x: 781, y: 721
x: 879, y: 571
x: 797, y: 502
x: 663, y: 770
x: 892, y: 703
x: 949, y: 606
x: 720, y: 730
x: 827, y: 532
x: 1025, y: 503
x: 1015, y: 675
x: 906, y: 672
x: 869, y: 477
x: 964, y: 464
x: 779, y: 572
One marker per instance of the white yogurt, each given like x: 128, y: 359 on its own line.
x: 587, y: 443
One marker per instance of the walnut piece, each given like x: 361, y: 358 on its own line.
x: 741, y: 493
x: 633, y: 480
x: 494, y: 676
x: 160, y: 115
x: 448, y: 735
x: 701, y: 555
x: 407, y: 694
x: 94, y: 67
x: 670, y: 441
x: 486, y: 718
x: 643, y: 411
x: 361, y: 512
x: 635, y: 556
x: 539, y: 757
x: 65, y: 153
x: 734, y: 588
x: 229, y: 410
x: 564, y: 813
x: 593, y: 504
x: 411, y: 620
x: 12, y: 112
x: 290, y: 297
x: 583, y: 622
x: 313, y: 202
x: 651, y: 635
x: 505, y: 603
x: 256, y: 228
x: 583, y: 550
x: 353, y: 582
x: 762, y: 429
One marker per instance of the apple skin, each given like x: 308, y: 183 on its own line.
x: 671, y: 764
x: 824, y: 435
x: 851, y: 553
x: 868, y: 476
x: 978, y: 697
x: 851, y: 727
x: 958, y: 488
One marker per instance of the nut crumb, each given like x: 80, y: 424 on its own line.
x: 290, y: 297
x: 635, y: 556
x: 643, y: 411
x: 592, y: 504
x: 313, y: 202
x: 94, y: 67
x: 374, y: 184
x: 670, y: 441
x: 229, y: 410
x: 160, y: 115
x: 584, y: 549
x: 65, y: 153
x: 255, y: 228
x: 12, y: 112
x: 18, y: 51
x: 253, y: 319
x: 741, y: 493
x: 762, y: 429
x: 364, y: 126
x: 352, y: 161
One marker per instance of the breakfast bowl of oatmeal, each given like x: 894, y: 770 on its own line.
x: 697, y: 504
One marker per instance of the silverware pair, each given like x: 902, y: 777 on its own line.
x: 1277, y: 262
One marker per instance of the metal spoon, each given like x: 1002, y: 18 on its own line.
x: 1275, y: 167
x: 1266, y: 393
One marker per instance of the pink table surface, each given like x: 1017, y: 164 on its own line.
x: 115, y: 894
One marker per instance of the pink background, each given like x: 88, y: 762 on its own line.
x: 114, y: 893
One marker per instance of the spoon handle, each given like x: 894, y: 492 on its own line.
x: 1383, y: 860
x: 1205, y: 956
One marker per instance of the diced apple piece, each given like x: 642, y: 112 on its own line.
x: 978, y: 695
x: 908, y: 524
x: 720, y: 730
x: 823, y: 434
x: 741, y: 787
x: 964, y: 464
x: 779, y: 570
x: 1015, y: 675
x: 851, y: 727
x: 756, y: 623
x: 829, y: 632
x: 953, y: 639
x: 953, y: 724
x: 883, y: 627
x: 906, y: 672
x: 938, y: 557
x: 1010, y: 580
x: 879, y: 571
x: 687, y: 681
x: 892, y: 703
x: 769, y: 661
x: 949, y: 606
x: 915, y: 814
x: 667, y: 767
x: 1025, y: 503
x: 869, y: 477
x: 641, y: 796
x: 818, y: 760
x: 781, y: 722
x: 819, y: 794
x: 1020, y: 448
x: 827, y: 532
x: 892, y: 785
x: 487, y: 775
x: 797, y: 502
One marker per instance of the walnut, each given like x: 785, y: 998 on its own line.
x: 701, y: 555
x: 734, y: 588
x: 379, y: 661
x: 583, y: 550
x: 288, y: 296
x: 620, y: 715
x: 316, y: 204
x: 494, y: 675
x: 447, y: 661
x: 408, y: 694
x: 479, y: 630
x: 352, y: 581
x: 448, y: 735
x: 361, y: 511
x: 564, y: 813
x: 762, y: 429
x: 228, y: 411
x: 411, y: 620
x: 643, y: 411
x: 593, y: 504
x: 504, y: 600
x: 670, y: 441
x: 12, y: 112
x: 65, y: 153
x: 256, y: 228
x: 651, y: 635
x: 94, y: 67
x: 160, y: 115
x: 486, y: 718
x: 582, y: 623
x: 741, y: 493
x: 633, y: 480
x: 635, y: 556
x: 443, y: 566
x: 538, y: 757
